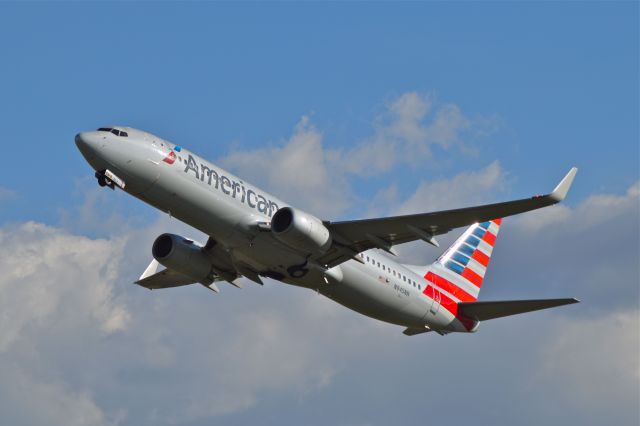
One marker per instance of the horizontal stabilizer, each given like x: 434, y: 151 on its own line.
x: 483, y: 311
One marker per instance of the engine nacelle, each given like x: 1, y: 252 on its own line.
x: 300, y: 230
x: 182, y: 255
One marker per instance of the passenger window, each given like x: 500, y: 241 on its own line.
x: 378, y: 264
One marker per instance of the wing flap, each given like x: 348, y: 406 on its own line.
x: 483, y: 311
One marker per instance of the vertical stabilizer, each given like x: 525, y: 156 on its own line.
x: 460, y: 271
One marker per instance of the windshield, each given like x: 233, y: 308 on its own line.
x: 114, y: 131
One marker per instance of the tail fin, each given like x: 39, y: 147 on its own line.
x: 461, y: 269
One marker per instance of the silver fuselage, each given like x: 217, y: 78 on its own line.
x: 228, y: 209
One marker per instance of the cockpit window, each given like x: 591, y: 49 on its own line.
x: 114, y: 131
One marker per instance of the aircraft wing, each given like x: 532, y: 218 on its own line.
x: 222, y: 265
x: 166, y: 278
x: 353, y: 237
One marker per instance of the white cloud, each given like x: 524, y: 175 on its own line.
x: 228, y: 355
x: 594, y: 211
x: 99, y: 211
x: 70, y: 341
x: 462, y: 190
x: 594, y: 363
x: 407, y: 132
x: 589, y: 251
x: 76, y: 337
x: 302, y: 171
x: 27, y: 399
x: 298, y: 171
x: 55, y: 288
x: 266, y: 352
x: 46, y: 270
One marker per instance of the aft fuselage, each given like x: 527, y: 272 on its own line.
x: 236, y: 214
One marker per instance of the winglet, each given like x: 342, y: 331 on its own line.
x: 561, y: 190
x: 151, y: 269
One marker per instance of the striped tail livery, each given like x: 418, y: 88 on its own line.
x: 453, y: 284
x: 461, y: 269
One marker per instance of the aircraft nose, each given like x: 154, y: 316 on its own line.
x: 82, y: 140
x: 87, y: 143
x: 90, y: 146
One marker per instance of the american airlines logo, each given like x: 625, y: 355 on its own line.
x: 228, y: 187
x: 170, y: 158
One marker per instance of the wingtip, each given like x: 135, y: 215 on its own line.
x: 560, y: 191
x: 151, y: 269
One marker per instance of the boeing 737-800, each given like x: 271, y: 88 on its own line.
x: 253, y: 234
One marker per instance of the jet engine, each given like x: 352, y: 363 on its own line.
x: 300, y: 230
x: 182, y: 255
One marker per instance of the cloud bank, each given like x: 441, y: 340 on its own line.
x: 319, y: 178
x: 80, y: 345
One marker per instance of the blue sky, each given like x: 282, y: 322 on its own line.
x: 477, y: 102
x: 560, y: 80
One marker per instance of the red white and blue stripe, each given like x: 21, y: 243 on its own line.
x: 458, y: 274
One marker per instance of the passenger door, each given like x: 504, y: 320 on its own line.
x: 435, y: 303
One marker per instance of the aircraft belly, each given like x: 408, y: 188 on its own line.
x: 264, y: 253
x: 364, y: 293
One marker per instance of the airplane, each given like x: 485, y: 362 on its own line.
x: 255, y: 235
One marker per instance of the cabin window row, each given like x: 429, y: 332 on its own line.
x: 394, y: 272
